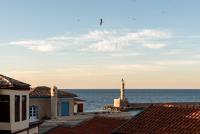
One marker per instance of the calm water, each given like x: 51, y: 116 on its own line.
x: 96, y: 99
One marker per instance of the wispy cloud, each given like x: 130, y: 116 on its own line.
x: 137, y: 68
x: 104, y: 70
x: 24, y: 72
x: 99, y: 41
x: 155, y: 46
x: 38, y: 45
x: 178, y: 62
x: 125, y: 54
x: 196, y: 56
x: 173, y: 52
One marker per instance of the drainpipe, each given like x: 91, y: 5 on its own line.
x: 54, y: 100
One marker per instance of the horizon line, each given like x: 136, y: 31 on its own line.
x: 130, y: 88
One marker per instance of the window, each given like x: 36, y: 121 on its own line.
x: 33, y: 113
x: 5, y: 108
x: 24, y: 107
x: 17, y: 108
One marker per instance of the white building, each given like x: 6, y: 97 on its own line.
x: 14, y: 103
x: 46, y: 103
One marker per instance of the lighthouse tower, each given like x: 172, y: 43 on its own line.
x: 121, y: 101
x: 122, y: 96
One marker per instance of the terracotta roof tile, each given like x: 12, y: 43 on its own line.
x: 43, y: 91
x: 164, y: 120
x: 65, y: 94
x: 97, y: 125
x: 10, y: 83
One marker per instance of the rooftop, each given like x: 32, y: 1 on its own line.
x: 44, y: 91
x: 96, y: 125
x: 164, y: 119
x: 10, y: 83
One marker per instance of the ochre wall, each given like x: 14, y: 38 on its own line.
x: 44, y: 106
x: 71, y: 105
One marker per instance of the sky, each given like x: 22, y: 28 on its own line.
x: 152, y: 44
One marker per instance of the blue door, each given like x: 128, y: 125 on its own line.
x: 64, y: 108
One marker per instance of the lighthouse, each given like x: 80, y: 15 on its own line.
x: 122, y: 97
x: 122, y: 100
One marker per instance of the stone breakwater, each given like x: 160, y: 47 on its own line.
x: 142, y: 106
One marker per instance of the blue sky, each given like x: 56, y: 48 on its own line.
x: 152, y: 44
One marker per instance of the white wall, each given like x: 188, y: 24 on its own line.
x: 16, y: 126
x: 75, y: 108
x: 24, y: 132
x: 117, y: 102
x: 33, y: 130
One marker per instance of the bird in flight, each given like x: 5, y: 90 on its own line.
x: 101, y: 22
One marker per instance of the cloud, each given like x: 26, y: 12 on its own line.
x: 174, y: 52
x: 118, y: 41
x: 38, y: 45
x: 104, y: 46
x: 154, y: 46
x: 24, y: 72
x: 99, y: 41
x: 136, y: 68
x: 177, y: 62
x: 147, y: 34
x: 196, y: 56
x: 125, y: 54
x: 99, y: 35
x: 105, y: 70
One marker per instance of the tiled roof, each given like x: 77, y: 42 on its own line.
x: 164, y: 119
x: 43, y: 91
x: 10, y: 83
x: 97, y: 125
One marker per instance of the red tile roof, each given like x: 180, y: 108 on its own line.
x: 43, y: 91
x: 164, y: 119
x: 10, y: 83
x: 97, y: 125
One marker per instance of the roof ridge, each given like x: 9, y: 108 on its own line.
x: 6, y: 79
x: 179, y: 106
x: 8, y: 82
x: 44, y: 91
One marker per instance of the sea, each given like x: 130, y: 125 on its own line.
x: 96, y: 99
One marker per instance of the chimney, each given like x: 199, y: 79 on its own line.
x: 54, y: 100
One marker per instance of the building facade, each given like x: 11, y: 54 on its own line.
x: 50, y: 103
x: 22, y: 108
x: 78, y: 105
x: 14, y: 103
